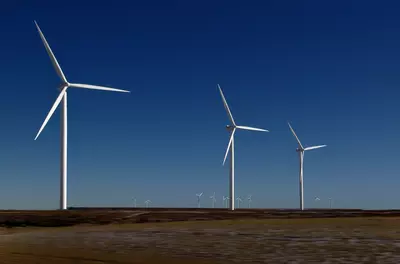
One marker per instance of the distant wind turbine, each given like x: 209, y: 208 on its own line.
x: 134, y: 202
x: 63, y: 97
x: 239, y: 200
x: 232, y: 129
x: 249, y: 200
x: 330, y: 202
x: 212, y: 197
x: 224, y: 201
x: 317, y: 199
x: 198, y: 199
x: 301, y: 150
x: 227, y: 201
x: 147, y: 203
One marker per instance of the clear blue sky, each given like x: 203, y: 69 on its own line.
x: 332, y: 70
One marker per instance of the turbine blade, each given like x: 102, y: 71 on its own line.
x: 294, y: 134
x: 53, y: 108
x: 252, y: 128
x: 226, y: 106
x: 96, y: 87
x: 315, y: 147
x: 229, y: 146
x: 51, y: 55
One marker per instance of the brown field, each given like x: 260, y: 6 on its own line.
x: 56, y: 218
x: 90, y: 236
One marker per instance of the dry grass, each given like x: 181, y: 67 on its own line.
x: 108, y: 216
x: 325, y: 240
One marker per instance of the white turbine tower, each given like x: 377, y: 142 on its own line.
x: 239, y: 201
x: 198, y: 199
x: 134, y: 202
x: 63, y: 97
x: 212, y: 197
x: 301, y: 150
x: 231, y: 146
x: 249, y: 200
x: 147, y: 203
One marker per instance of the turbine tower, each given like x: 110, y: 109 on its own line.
x: 134, y: 202
x: 301, y: 150
x: 63, y: 97
x: 231, y: 146
x: 212, y: 197
x: 198, y: 199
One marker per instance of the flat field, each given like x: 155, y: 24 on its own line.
x: 245, y: 236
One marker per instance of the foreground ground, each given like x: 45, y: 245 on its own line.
x: 312, y: 240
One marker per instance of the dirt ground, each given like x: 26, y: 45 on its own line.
x: 315, y: 240
x: 58, y: 218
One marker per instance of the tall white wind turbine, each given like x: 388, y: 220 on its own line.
x: 231, y: 146
x: 147, y: 203
x: 301, y: 150
x: 63, y: 97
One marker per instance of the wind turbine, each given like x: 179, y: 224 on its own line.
x: 301, y: 150
x: 227, y: 201
x: 147, y: 203
x: 330, y: 203
x: 223, y: 201
x: 232, y: 128
x: 198, y: 199
x: 317, y: 199
x: 134, y: 202
x: 249, y: 200
x: 63, y: 97
x: 239, y: 201
x: 213, y: 200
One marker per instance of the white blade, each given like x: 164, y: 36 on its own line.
x: 51, y: 55
x: 226, y: 106
x: 252, y: 128
x: 229, y: 146
x: 53, y: 108
x: 315, y: 147
x: 96, y: 87
x: 294, y: 134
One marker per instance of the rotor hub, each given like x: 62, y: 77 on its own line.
x: 62, y: 86
x: 229, y: 127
